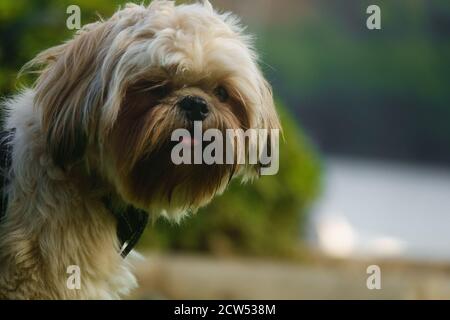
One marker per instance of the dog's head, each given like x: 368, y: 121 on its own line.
x: 114, y: 94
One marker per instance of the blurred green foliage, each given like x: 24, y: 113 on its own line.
x: 330, y: 47
x: 28, y: 27
x: 389, y: 86
x: 263, y: 218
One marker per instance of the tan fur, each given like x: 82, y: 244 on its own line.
x: 98, y: 123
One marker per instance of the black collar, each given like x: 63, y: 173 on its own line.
x: 5, y: 163
x: 131, y: 225
x: 131, y: 222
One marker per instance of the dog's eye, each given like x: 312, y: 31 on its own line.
x: 161, y: 91
x: 221, y: 93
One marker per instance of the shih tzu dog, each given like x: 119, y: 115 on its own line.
x: 91, y: 142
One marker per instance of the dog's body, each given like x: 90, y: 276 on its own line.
x: 97, y: 123
x: 53, y: 223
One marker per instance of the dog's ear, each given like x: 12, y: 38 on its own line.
x: 269, y: 118
x: 269, y: 149
x: 269, y: 126
x: 67, y: 94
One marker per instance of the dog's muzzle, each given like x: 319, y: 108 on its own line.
x: 195, y: 107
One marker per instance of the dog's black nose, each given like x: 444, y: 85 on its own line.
x: 196, y: 108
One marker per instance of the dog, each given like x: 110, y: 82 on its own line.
x: 91, y: 140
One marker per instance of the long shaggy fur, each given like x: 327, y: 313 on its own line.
x: 98, y: 123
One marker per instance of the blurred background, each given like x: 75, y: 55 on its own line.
x: 364, y: 173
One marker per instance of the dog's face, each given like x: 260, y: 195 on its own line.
x: 114, y: 94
